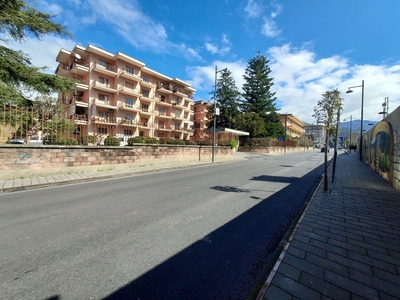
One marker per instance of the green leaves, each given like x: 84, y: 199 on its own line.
x: 17, y: 75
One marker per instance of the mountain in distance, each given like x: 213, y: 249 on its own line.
x: 356, y: 124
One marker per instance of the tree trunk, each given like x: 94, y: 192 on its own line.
x: 326, y: 159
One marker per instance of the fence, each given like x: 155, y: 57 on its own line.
x: 19, y: 124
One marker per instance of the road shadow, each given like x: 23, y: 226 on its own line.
x: 230, y: 189
x: 226, y: 263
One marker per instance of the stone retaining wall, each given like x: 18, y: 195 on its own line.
x: 22, y: 161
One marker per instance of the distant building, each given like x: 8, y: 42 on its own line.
x: 318, y: 132
x: 293, y: 126
x: 200, y: 121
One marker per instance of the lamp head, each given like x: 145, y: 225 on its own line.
x: 349, y: 91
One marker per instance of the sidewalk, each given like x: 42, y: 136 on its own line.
x: 346, y: 245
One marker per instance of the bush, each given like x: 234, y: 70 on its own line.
x: 54, y: 139
x: 111, y: 141
x: 261, y: 142
x: 205, y: 143
x: 136, y: 140
x: 190, y: 142
x: 150, y: 140
x: 68, y: 141
x: 88, y: 139
x: 233, y: 144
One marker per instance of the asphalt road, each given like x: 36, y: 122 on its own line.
x: 200, y: 233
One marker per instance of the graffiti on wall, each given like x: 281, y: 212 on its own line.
x: 378, y: 149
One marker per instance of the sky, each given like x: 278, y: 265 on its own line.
x: 312, y: 46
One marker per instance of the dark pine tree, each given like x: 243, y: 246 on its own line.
x: 258, y: 97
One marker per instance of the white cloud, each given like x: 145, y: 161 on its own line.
x: 269, y: 28
x: 252, y: 9
x: 278, y: 10
x: 223, y: 50
x: 211, y: 48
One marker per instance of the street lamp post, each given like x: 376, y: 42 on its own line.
x: 215, y: 109
x: 362, y: 113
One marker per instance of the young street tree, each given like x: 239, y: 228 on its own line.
x: 324, y: 113
x: 227, y: 95
x: 18, y: 20
x: 258, y: 98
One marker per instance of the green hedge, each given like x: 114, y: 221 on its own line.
x: 111, y: 141
x: 88, y: 139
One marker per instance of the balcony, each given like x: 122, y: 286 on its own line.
x: 104, y: 104
x: 128, y: 107
x: 80, y: 101
x: 146, y: 98
x: 179, y: 92
x: 80, y: 67
x: 79, y: 119
x: 82, y: 85
x: 162, y: 127
x: 104, y: 120
x: 128, y: 91
x: 109, y: 70
x: 162, y: 115
x: 145, y: 124
x: 130, y: 76
x: 106, y: 87
x: 146, y: 112
x: 164, y: 88
x: 163, y: 102
x: 127, y: 123
x: 176, y: 128
x: 147, y: 84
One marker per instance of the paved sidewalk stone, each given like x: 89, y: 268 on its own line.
x: 347, y: 243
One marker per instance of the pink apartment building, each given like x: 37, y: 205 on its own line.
x: 117, y: 95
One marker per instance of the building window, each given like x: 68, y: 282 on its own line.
x: 145, y: 78
x: 104, y: 81
x: 141, y: 133
x: 128, y: 102
x: 161, y: 125
x: 105, y: 64
x: 162, y: 98
x: 103, y: 98
x: 145, y: 122
x: 130, y: 70
x: 161, y: 110
x: 146, y: 93
x: 129, y: 85
x: 177, y: 113
x: 177, y: 125
x: 102, y: 130
x: 102, y: 114
x: 145, y: 107
x: 128, y: 117
x: 128, y: 132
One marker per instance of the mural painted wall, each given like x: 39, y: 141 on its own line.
x: 378, y: 149
x: 382, y: 148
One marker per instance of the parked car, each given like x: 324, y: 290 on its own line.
x: 35, y: 140
x: 323, y: 149
x: 16, y: 141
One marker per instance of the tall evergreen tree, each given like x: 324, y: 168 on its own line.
x: 227, y: 96
x: 258, y: 97
x: 18, y: 20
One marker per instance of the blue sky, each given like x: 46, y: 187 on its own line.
x: 313, y: 46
